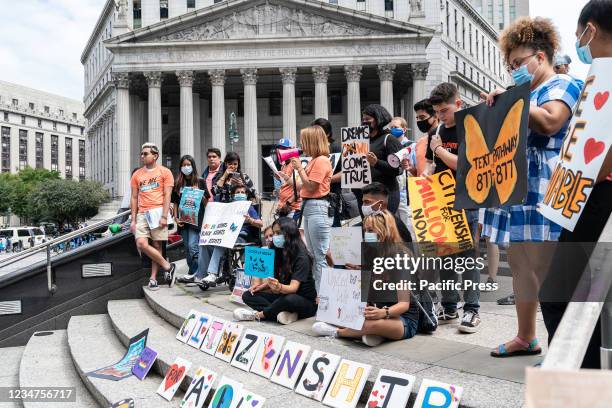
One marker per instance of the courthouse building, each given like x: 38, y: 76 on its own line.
x: 173, y: 71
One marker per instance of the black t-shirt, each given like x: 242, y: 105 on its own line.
x: 449, y: 142
x: 176, y: 199
x: 336, y: 148
x: 301, y: 271
x: 382, y: 146
x: 411, y: 314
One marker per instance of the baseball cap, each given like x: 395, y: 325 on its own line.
x: 284, y: 143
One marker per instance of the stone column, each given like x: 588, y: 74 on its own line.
x: 289, y: 122
x: 321, y: 75
x: 122, y: 112
x: 185, y: 79
x: 154, y: 80
x: 217, y: 80
x: 419, y: 74
x: 386, y: 73
x: 250, y: 161
x: 353, y: 76
x: 197, y: 131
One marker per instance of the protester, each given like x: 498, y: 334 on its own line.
x: 382, y: 144
x: 562, y: 62
x: 594, y: 40
x: 427, y: 122
x: 529, y: 45
x: 399, y: 129
x: 290, y: 295
x: 232, y: 175
x: 188, y: 177
x: 336, y: 180
x: 151, y: 190
x: 376, y: 200
x: 213, y: 157
x: 289, y: 200
x: 268, y: 233
x: 317, y: 211
x: 393, y: 321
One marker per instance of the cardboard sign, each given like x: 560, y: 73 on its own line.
x: 247, y: 349
x: 249, y: 399
x: 227, y: 394
x: 492, y: 160
x: 391, y: 389
x: 347, y: 385
x: 243, y: 283
x: 259, y: 262
x: 222, y: 223
x: 267, y: 354
x: 270, y: 162
x: 438, y: 394
x: 123, y: 368
x: 442, y: 229
x: 229, y: 341
x: 290, y: 363
x: 340, y: 298
x: 317, y: 375
x: 584, y: 150
x: 213, y: 336
x: 199, y: 388
x: 345, y: 245
x: 144, y: 363
x: 187, y: 327
x: 356, y: 172
x: 334, y: 159
x: 189, y: 207
x: 174, y: 376
x: 203, y: 322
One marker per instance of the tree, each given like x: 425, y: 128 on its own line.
x: 7, y: 186
x: 23, y: 185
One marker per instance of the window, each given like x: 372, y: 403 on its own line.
x: 307, y: 103
x: 137, y: 14
x: 274, y: 103
x: 333, y: 2
x: 54, y: 152
x: 190, y: 4
x: 477, y: 45
x: 489, y: 54
x: 464, y: 68
x: 15, y: 102
x: 463, y: 32
x: 240, y: 110
x: 81, y: 160
x: 512, y: 10
x: 165, y: 118
x: 447, y: 20
x: 46, y: 109
x: 456, y: 27
x: 74, y: 116
x: 456, y: 63
x: 490, y: 10
x: 23, y: 119
x: 471, y: 73
x: 6, y: 149
x: 6, y: 117
x: 335, y: 104
x: 82, y: 130
x: 23, y: 149
x: 61, y: 112
x: 31, y: 106
x: 163, y: 9
x: 68, y: 128
x: 388, y: 5
x: 39, y: 150
x: 471, y: 39
x: 68, y: 158
x: 54, y: 125
x: 39, y: 123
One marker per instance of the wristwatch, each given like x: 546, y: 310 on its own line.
x: 386, y: 309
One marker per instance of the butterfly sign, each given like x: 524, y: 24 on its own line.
x: 391, y: 389
x: 438, y: 394
x: 227, y: 394
x: 585, y: 148
x: 250, y: 400
x: 187, y: 327
x: 203, y: 322
x: 229, y: 341
x: 174, y: 376
x: 290, y: 363
x: 199, y: 388
x: 267, y: 355
x: 213, y: 336
x: 492, y: 160
x: 247, y: 349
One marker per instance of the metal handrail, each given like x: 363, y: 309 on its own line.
x: 46, y: 246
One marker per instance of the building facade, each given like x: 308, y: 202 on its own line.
x: 500, y: 13
x: 173, y: 71
x: 41, y: 130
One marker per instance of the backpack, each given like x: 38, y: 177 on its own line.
x: 428, y: 320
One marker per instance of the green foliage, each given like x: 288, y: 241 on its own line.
x: 24, y: 185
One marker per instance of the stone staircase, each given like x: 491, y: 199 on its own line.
x: 60, y: 358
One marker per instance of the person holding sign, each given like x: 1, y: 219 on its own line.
x: 232, y: 175
x: 336, y: 180
x: 289, y: 200
x: 316, y: 181
x: 392, y: 321
x: 529, y: 46
x: 290, y: 295
x: 188, y: 213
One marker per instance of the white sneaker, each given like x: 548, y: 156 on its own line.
x: 186, y: 278
x: 211, y: 279
x: 287, y: 317
x: 372, y: 340
x: 241, y: 314
x: 325, y: 329
x: 195, y: 282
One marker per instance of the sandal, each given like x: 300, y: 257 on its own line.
x: 529, y: 349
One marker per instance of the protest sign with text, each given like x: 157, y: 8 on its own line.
x: 222, y: 223
x: 189, y: 207
x: 356, y: 172
x: 259, y: 262
x: 340, y: 298
x: 345, y: 245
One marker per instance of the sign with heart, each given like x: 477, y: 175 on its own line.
x: 391, y: 389
x: 267, y: 354
x: 250, y: 400
x: 584, y: 149
x: 188, y: 325
x: 199, y: 388
x: 174, y: 376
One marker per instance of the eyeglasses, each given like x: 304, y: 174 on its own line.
x: 145, y: 154
x: 423, y: 118
x: 517, y: 63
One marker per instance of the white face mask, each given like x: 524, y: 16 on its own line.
x: 187, y: 170
x: 368, y: 210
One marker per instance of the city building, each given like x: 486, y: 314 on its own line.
x: 500, y: 13
x: 173, y: 71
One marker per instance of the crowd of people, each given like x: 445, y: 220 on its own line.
x: 310, y: 201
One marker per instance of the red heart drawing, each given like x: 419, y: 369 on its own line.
x: 209, y: 377
x: 600, y: 99
x: 375, y: 393
x: 173, y: 376
x: 372, y: 404
x: 592, y: 149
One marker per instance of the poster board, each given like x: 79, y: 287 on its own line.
x: 345, y: 245
x: 123, y: 368
x: 222, y: 223
x: 174, y: 376
x: 243, y: 283
x: 340, y: 298
x: 356, y: 172
x: 189, y: 206
x: 317, y: 375
x: 259, y: 262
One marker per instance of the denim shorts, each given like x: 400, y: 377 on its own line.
x: 410, y: 327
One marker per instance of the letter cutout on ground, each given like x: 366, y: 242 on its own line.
x: 249, y: 399
x: 435, y: 394
x: 199, y: 331
x: 227, y: 394
x: 174, y: 375
x: 247, y: 349
x: 340, y: 298
x: 584, y: 149
x: 187, y: 326
x: 345, y: 245
x: 290, y: 363
x: 198, y: 390
x: 223, y: 222
x: 317, y: 375
x: 213, y: 336
x: 267, y: 354
x: 347, y: 385
x: 229, y: 340
x: 356, y: 172
x: 391, y: 389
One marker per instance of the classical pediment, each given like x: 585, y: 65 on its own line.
x: 254, y: 19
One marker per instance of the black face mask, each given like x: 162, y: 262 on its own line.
x: 424, y: 125
x: 370, y: 128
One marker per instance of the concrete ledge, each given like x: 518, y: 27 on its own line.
x: 9, y: 375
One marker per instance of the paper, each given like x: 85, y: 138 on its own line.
x: 391, y: 389
x: 270, y: 162
x: 345, y: 245
x: 259, y: 262
x: 290, y: 363
x: 243, y: 283
x: 203, y: 322
x: 229, y: 341
x: 223, y: 222
x: 340, y: 298
x: 187, y: 326
x: 347, y: 384
x: 438, y: 394
x: 123, y: 368
x: 317, y: 375
x: 174, y: 376
x: 153, y: 216
x: 227, y: 394
x: 356, y: 172
x: 189, y: 207
x: 249, y: 399
x: 213, y: 336
x: 267, y: 354
x: 199, y: 388
x: 247, y: 349
x: 145, y: 362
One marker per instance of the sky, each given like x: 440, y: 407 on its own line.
x: 43, y: 40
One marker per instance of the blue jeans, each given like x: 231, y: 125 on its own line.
x: 191, y: 238
x: 210, y: 257
x: 317, y: 231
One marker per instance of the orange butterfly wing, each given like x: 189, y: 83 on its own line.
x: 475, y: 146
x: 509, y: 136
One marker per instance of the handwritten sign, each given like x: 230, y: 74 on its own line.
x: 345, y: 245
x: 584, y: 149
x: 440, y: 228
x: 340, y: 298
x: 259, y: 262
x: 144, y: 364
x: 333, y: 159
x: 189, y: 207
x: 492, y: 162
x: 174, y: 376
x: 222, y: 223
x: 356, y: 172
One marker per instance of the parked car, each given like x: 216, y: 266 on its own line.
x: 22, y: 237
x: 39, y: 235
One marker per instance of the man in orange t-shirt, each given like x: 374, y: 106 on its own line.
x: 151, y: 191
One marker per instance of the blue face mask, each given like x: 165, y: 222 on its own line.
x: 397, y: 132
x: 522, y: 76
x: 370, y: 237
x: 278, y: 241
x: 187, y: 170
x: 240, y: 197
x: 584, y: 52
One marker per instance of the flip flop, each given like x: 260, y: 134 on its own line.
x: 528, y: 350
